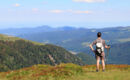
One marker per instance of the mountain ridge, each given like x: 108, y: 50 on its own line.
x: 22, y: 53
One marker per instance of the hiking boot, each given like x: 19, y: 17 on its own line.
x: 103, y: 70
x: 97, y: 70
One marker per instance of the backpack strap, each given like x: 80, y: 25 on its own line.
x: 101, y: 40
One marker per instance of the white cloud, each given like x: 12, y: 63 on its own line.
x: 89, y: 1
x: 82, y: 12
x: 16, y: 5
x: 71, y: 11
x: 79, y: 12
x: 56, y: 11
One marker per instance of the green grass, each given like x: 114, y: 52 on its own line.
x: 12, y: 38
x: 68, y: 72
x: 109, y: 75
x: 8, y: 38
x: 113, y: 72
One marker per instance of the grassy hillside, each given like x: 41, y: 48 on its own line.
x: 68, y: 72
x: 13, y: 38
x: 17, y: 53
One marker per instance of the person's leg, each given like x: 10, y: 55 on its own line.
x: 98, y: 60
x: 103, y: 64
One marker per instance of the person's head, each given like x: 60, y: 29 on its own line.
x: 99, y: 34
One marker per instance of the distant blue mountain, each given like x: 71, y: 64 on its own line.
x: 66, y: 28
x: 45, y: 28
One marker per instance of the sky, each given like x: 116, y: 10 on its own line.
x: 57, y: 13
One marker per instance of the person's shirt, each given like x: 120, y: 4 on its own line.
x: 99, y: 40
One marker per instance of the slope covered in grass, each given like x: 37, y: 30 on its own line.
x: 68, y: 72
x: 18, y: 53
x: 13, y: 38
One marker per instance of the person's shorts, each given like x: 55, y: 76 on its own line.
x: 102, y: 56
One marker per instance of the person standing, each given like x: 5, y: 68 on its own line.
x: 99, y: 51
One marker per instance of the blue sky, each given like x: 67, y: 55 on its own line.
x: 56, y: 13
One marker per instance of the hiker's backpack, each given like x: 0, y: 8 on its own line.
x: 99, y: 47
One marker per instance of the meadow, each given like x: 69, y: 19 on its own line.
x: 68, y: 72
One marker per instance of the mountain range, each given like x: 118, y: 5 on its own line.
x: 78, y: 39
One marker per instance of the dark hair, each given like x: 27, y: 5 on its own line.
x: 99, y: 34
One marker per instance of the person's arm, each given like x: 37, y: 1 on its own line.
x: 106, y: 46
x: 91, y: 46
